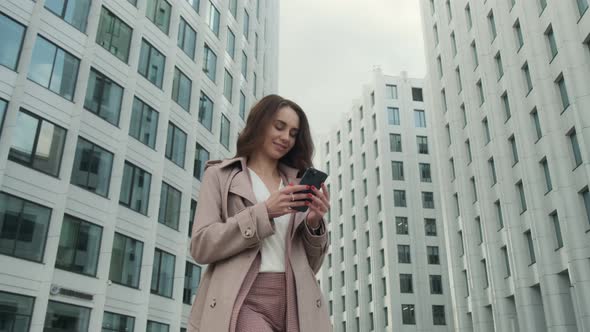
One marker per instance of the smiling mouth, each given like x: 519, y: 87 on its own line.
x: 282, y: 147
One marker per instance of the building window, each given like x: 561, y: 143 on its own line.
x: 54, y: 68
x: 452, y: 166
x: 473, y: 189
x: 420, y: 119
x: 536, y: 123
x: 405, y: 283
x: 440, y: 67
x: 196, y: 4
x: 61, y: 316
x: 408, y: 314
x: 514, y: 149
x: 103, y: 97
x: 529, y: 240
x: 393, y: 116
x: 246, y: 24
x: 520, y: 189
x: 527, y: 76
x: 163, y: 273
x: 449, y: 12
x: 430, y: 227
x: 417, y: 94
x: 433, y: 256
x: 486, y: 127
x: 3, y: 106
x: 391, y: 91
x: 151, y: 64
x: 24, y: 230
x: 135, y: 188
x: 192, y: 212
x: 499, y: 215
x: 201, y: 157
x: 565, y: 100
x: 192, y: 278
x: 427, y: 200
x: 157, y: 327
x: 117, y: 322
x: 479, y: 230
x: 158, y: 11
x: 395, y: 142
x: 74, y: 12
x: 438, y: 315
x: 582, y: 6
x: 13, y: 34
x: 225, y: 131
x: 519, y: 37
x: 482, y: 98
x: 399, y: 198
x: 486, y: 280
x: 459, y: 83
x: 114, y: 35
x: 169, y: 211
x: 181, y: 89
x: 79, y: 246
x: 435, y: 33
x: 453, y: 44
x: 144, y: 123
x: 214, y: 17
x: 242, y: 105
x: 368, y: 264
x: 233, y: 8
x: 506, y: 260
x: 506, y: 104
x: 176, y: 145
x: 586, y: 200
x: 401, y: 225
x: 474, y: 54
x: 403, y: 254
x: 187, y: 37
x: 492, y: 166
x: 492, y: 24
x: 372, y: 98
x: 37, y: 143
x: 422, y: 142
x: 92, y: 167
x: 244, y: 65
x: 545, y: 167
x: 424, y: 170
x: 551, y: 42
x: 205, y: 116
x: 210, y: 63
x: 468, y: 18
x: 436, y: 284
x: 397, y: 169
x: 126, y: 261
x: 228, y: 82
x: 230, y: 46
x: 576, y: 153
x: 499, y: 65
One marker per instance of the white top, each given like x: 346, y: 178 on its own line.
x: 273, y: 247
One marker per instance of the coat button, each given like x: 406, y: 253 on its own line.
x: 213, y: 303
x: 248, y: 232
x: 318, y: 303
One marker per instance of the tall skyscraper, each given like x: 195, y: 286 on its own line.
x: 387, y: 266
x: 108, y: 111
x: 510, y: 99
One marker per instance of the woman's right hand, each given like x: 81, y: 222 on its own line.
x: 279, y: 202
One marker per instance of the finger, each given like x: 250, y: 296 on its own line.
x: 320, y: 202
x: 296, y: 197
x: 325, y: 190
x: 321, y: 195
x: 294, y: 188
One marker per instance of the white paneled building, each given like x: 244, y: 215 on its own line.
x: 387, y: 267
x: 510, y: 100
x: 108, y: 110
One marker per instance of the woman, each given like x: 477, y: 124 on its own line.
x: 262, y: 254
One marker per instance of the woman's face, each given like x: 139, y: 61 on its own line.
x: 281, y: 133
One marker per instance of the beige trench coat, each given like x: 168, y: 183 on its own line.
x: 227, y: 232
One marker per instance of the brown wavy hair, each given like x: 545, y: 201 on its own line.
x: 260, y: 117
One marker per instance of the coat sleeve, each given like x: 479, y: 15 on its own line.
x: 215, y: 239
x: 316, y: 245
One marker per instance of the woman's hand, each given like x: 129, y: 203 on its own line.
x: 320, y: 204
x: 280, y: 202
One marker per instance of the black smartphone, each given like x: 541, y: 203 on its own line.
x: 311, y: 177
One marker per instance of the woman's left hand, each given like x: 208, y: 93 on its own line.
x: 319, y: 205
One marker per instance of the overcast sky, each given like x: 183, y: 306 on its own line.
x: 328, y: 48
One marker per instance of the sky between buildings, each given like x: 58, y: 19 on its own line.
x: 328, y: 48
